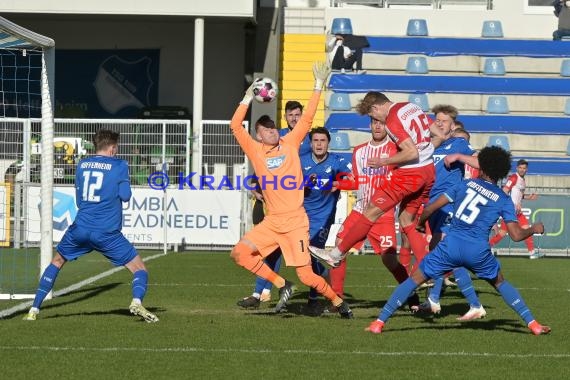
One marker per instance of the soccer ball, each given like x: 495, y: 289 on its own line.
x: 264, y: 90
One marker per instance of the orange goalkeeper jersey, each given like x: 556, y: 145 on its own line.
x: 278, y: 168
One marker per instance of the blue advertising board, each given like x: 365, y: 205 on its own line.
x: 105, y: 83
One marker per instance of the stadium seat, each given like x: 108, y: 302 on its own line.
x: 339, y: 141
x: 417, y: 27
x: 492, y: 29
x: 502, y: 141
x: 339, y: 101
x: 341, y: 26
x: 417, y: 65
x: 494, y: 66
x: 497, y: 104
x: 421, y: 100
x: 567, y: 107
x: 568, y: 148
x: 565, y: 68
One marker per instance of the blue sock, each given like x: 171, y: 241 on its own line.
x: 397, y: 299
x: 463, y: 279
x: 140, y: 283
x: 46, y: 284
x: 273, y: 261
x: 512, y: 298
x: 435, y: 292
x: 319, y: 269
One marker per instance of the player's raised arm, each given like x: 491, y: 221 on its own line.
x: 321, y: 71
x: 241, y: 134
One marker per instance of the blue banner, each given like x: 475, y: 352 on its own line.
x: 105, y: 83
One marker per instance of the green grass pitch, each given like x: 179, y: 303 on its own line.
x: 202, y: 334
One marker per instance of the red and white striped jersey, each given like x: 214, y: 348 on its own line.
x: 370, y: 179
x: 407, y: 120
x: 516, y: 186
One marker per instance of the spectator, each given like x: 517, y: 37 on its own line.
x: 515, y: 186
x: 562, y: 11
x: 345, y: 50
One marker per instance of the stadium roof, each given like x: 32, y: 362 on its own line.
x: 13, y: 35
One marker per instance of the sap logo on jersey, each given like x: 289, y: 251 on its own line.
x: 275, y: 162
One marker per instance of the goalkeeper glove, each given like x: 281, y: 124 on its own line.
x: 248, y: 97
x: 321, y: 71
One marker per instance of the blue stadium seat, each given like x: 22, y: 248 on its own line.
x: 421, y: 100
x: 417, y: 65
x: 341, y: 26
x: 497, y: 104
x: 567, y: 107
x: 492, y: 29
x: 339, y: 101
x: 417, y: 27
x: 565, y: 68
x: 339, y: 141
x: 502, y: 141
x: 494, y: 66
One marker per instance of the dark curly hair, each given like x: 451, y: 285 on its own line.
x: 494, y: 162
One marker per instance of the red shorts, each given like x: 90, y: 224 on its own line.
x: 408, y: 187
x: 382, y: 235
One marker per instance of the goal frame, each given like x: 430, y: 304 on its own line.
x: 14, y: 36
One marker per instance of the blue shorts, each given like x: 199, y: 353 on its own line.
x: 77, y: 242
x: 453, y: 253
x: 440, y: 220
x: 319, y: 231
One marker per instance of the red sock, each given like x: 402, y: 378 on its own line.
x: 337, y: 276
x: 417, y: 242
x: 529, y: 243
x: 358, y: 232
x: 400, y: 273
x: 406, y: 258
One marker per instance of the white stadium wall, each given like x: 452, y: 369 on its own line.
x: 517, y: 19
x: 218, y: 8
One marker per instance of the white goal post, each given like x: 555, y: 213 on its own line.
x: 20, y: 41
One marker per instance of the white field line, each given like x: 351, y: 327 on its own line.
x: 294, y: 352
x: 25, y: 305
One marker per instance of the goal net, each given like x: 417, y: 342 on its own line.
x: 26, y: 93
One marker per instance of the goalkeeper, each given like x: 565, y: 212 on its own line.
x: 286, y: 224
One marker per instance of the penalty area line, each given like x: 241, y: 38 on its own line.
x: 25, y: 305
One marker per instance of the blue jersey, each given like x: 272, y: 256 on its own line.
x: 477, y: 206
x: 446, y: 178
x: 101, y: 185
x: 305, y: 144
x: 320, y: 202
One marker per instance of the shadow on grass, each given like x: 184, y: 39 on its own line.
x: 506, y: 325
x: 82, y: 295
x: 122, y: 312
